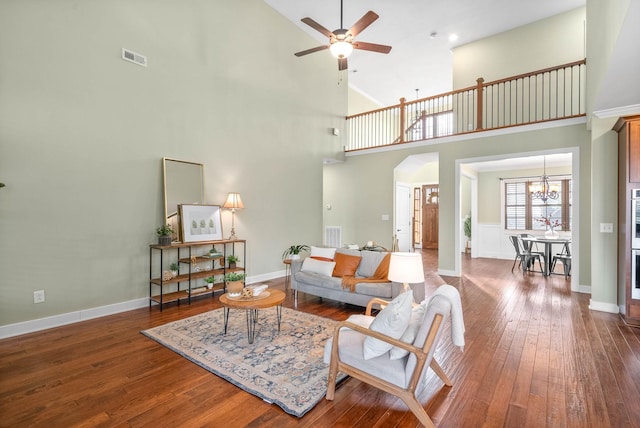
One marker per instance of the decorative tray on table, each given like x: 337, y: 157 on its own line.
x: 260, y: 296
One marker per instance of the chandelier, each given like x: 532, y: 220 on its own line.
x: 543, y: 190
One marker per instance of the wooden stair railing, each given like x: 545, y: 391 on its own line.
x: 552, y: 93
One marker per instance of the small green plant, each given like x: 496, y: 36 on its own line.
x: 232, y: 259
x: 467, y: 226
x: 234, y: 276
x: 295, y: 249
x: 165, y: 230
x: 202, y: 223
x: 210, y: 280
x: 174, y: 266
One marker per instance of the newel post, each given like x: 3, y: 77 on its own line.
x: 480, y: 93
x: 403, y: 114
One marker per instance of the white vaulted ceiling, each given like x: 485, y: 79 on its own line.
x: 417, y: 60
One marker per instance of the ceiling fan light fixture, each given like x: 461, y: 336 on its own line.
x: 341, y: 49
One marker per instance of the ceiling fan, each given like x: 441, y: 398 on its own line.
x: 341, y: 42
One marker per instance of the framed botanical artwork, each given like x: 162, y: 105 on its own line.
x: 200, y: 223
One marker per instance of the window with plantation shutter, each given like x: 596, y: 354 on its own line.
x: 524, y: 213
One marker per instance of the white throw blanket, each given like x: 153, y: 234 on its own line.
x: 457, y: 320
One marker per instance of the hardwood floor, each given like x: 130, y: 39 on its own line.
x: 535, y: 356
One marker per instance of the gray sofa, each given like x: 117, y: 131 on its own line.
x: 330, y: 287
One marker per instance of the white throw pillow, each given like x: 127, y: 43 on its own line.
x: 409, y: 335
x: 392, y: 321
x: 322, y: 252
x: 318, y: 266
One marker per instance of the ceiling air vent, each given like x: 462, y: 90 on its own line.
x: 133, y: 57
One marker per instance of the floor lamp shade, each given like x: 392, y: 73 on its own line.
x: 233, y: 202
x: 406, y: 268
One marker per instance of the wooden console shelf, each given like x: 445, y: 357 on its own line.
x: 183, y: 286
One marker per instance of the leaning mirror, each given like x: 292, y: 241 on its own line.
x: 183, y: 184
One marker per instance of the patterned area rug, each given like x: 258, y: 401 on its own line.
x: 284, y: 368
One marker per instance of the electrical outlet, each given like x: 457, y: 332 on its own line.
x: 38, y: 296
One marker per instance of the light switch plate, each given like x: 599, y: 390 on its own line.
x: 606, y: 227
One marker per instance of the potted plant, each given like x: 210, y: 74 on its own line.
x: 467, y: 231
x: 210, y: 280
x: 232, y: 260
x: 293, y: 252
x: 234, y: 283
x: 174, y: 269
x: 164, y: 234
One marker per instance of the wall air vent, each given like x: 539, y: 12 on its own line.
x: 133, y: 57
x: 333, y: 236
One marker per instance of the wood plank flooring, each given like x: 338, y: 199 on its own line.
x: 535, y: 356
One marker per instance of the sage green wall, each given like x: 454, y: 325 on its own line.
x: 465, y: 197
x: 428, y: 174
x: 359, y: 194
x: 366, y: 185
x: 557, y: 40
x: 82, y: 134
x: 358, y: 102
x: 604, y: 22
x: 604, y: 209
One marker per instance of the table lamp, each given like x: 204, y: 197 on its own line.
x: 233, y: 202
x: 406, y: 268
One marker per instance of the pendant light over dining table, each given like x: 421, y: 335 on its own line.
x: 543, y: 190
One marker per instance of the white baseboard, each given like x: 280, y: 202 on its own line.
x: 31, y: 326
x: 611, y: 308
x: 265, y: 277
x: 447, y: 273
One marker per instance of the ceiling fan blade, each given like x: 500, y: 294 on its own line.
x: 312, y: 50
x: 342, y: 64
x: 364, y: 46
x: 313, y: 24
x: 366, y: 20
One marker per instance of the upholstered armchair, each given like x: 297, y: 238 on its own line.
x: 401, y: 370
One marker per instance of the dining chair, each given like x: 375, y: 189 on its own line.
x: 565, y: 258
x: 530, y: 246
x: 526, y: 258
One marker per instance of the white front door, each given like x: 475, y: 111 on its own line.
x: 403, y: 216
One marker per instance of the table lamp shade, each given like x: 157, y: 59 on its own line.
x: 406, y: 268
x: 233, y: 201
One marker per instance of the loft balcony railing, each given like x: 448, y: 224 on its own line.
x: 551, y: 94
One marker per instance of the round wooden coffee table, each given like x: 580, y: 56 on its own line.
x: 251, y: 305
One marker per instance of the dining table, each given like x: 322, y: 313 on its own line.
x: 548, y: 243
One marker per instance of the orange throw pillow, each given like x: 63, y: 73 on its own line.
x: 346, y: 265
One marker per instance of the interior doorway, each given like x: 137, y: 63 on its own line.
x: 430, y: 212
